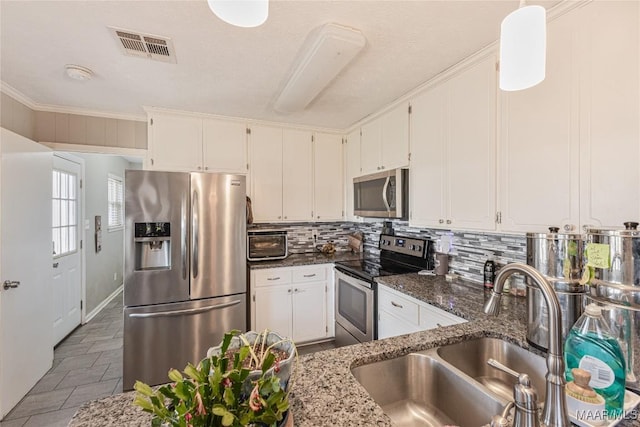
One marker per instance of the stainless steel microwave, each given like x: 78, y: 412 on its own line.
x: 265, y: 245
x: 382, y: 194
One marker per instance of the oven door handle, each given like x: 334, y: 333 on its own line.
x: 385, y: 187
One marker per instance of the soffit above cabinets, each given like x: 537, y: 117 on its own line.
x: 231, y: 71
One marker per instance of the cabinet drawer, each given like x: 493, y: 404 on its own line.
x: 272, y: 276
x: 310, y: 274
x: 398, y: 306
x: 432, y: 317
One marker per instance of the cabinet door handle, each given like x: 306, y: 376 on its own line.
x: 438, y: 325
x: 448, y: 221
x: 55, y: 265
x: 295, y: 290
x: 273, y: 278
x: 10, y: 284
x: 441, y: 221
x: 310, y: 275
x: 395, y: 304
x: 289, y: 290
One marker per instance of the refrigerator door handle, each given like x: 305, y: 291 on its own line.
x: 183, y: 242
x: 187, y: 311
x: 195, y: 231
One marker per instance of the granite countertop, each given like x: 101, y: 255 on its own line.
x: 325, y: 393
x: 294, y: 260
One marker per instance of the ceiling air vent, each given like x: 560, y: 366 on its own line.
x: 142, y: 45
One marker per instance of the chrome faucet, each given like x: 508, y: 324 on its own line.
x: 554, y: 413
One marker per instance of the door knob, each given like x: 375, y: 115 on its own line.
x: 11, y: 284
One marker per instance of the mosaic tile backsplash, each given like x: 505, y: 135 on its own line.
x: 300, y: 236
x: 470, y: 249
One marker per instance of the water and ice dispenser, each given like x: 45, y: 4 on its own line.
x: 152, y: 245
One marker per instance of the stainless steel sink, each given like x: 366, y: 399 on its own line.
x: 471, y: 358
x: 419, y: 390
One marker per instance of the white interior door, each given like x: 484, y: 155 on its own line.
x: 67, y: 260
x: 26, y: 342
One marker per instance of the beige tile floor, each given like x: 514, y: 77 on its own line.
x: 87, y: 365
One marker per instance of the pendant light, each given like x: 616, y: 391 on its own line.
x: 523, y: 45
x: 241, y: 13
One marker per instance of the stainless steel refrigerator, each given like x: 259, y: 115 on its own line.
x: 185, y: 269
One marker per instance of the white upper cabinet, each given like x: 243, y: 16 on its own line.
x: 610, y: 114
x: 281, y: 174
x: 182, y: 142
x: 395, y: 137
x: 539, y: 156
x: 351, y: 170
x: 453, y: 146
x: 385, y: 141
x: 266, y: 173
x: 328, y: 177
x: 175, y: 142
x: 471, y: 148
x: 297, y: 175
x: 370, y: 147
x: 224, y: 146
x: 570, y: 146
x: 428, y: 161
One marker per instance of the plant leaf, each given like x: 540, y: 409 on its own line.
x: 219, y: 410
x: 143, y: 388
x: 175, y: 375
x: 145, y: 404
x: 227, y: 419
x: 193, y: 373
x: 268, y: 361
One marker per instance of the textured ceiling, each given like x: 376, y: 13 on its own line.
x: 233, y: 71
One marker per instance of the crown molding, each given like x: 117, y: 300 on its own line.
x: 17, y: 95
x: 247, y: 121
x: 22, y: 98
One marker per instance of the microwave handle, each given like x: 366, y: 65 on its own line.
x: 384, y: 194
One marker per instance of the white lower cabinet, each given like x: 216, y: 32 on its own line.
x: 399, y: 314
x: 293, y: 301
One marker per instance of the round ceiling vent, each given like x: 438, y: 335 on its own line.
x: 77, y: 72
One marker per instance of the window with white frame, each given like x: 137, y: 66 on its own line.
x: 64, y: 213
x: 115, y: 205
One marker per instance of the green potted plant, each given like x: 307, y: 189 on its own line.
x: 224, y: 389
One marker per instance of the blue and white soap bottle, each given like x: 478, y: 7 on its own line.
x: 591, y: 346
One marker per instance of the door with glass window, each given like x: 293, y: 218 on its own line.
x: 67, y: 260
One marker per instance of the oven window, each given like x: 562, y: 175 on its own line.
x: 352, y: 304
x: 266, y: 246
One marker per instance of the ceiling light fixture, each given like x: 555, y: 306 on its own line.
x: 326, y: 51
x: 523, y: 45
x: 77, y: 72
x: 241, y: 13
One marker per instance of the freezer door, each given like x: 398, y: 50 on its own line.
x: 218, y: 233
x: 161, y: 337
x: 156, y: 237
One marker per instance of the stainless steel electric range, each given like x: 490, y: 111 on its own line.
x: 356, y: 289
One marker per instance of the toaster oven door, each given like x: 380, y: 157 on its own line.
x: 266, y: 246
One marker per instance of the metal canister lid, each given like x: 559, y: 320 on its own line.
x: 554, y: 235
x: 630, y: 230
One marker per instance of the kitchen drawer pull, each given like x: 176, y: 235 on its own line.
x: 395, y: 304
x: 273, y: 278
x: 310, y: 275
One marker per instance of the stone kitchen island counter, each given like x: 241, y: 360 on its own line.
x: 326, y: 394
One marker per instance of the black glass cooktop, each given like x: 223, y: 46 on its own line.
x: 369, y: 268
